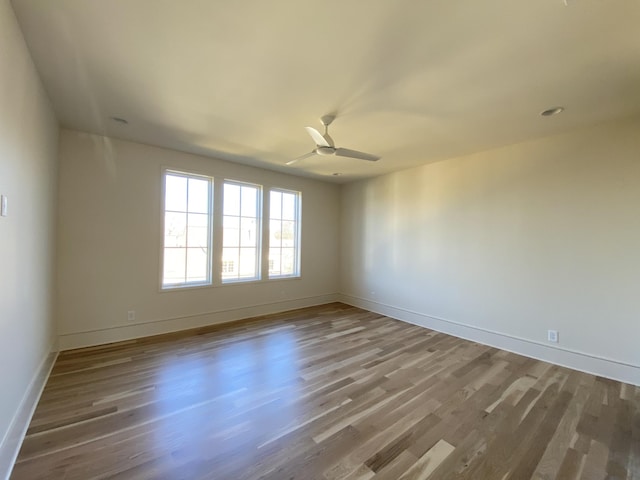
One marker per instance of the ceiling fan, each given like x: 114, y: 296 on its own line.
x: 326, y: 146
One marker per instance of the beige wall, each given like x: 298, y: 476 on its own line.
x: 28, y: 138
x: 109, y: 244
x: 501, y: 246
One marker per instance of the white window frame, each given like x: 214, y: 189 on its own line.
x: 210, y: 240
x: 259, y: 232
x: 296, y: 236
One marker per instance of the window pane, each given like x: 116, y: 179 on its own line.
x: 288, y: 234
x: 198, y: 195
x: 248, y: 234
x: 275, y: 204
x: 174, y: 265
x: 249, y: 199
x: 231, y: 199
x: 274, y: 261
x: 231, y: 232
x: 248, y: 262
x: 288, y: 206
x: 275, y: 233
x: 197, y: 260
x: 229, y: 266
x: 175, y: 193
x: 288, y: 261
x: 230, y: 257
x: 175, y: 229
x: 198, y: 230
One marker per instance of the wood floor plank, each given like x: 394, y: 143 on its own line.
x: 331, y: 393
x: 551, y: 462
x: 426, y: 464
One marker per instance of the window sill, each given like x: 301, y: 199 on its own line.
x: 180, y: 288
x: 195, y: 286
x: 284, y: 277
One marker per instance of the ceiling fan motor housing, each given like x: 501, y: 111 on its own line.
x: 325, y: 150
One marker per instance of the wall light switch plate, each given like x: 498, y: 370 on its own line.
x: 3, y: 205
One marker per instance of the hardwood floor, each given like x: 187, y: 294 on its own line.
x: 329, y: 392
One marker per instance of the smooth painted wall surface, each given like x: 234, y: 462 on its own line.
x: 109, y: 243
x: 28, y: 151
x: 518, y: 240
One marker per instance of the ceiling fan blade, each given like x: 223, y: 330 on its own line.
x: 302, y: 157
x: 345, y: 152
x: 318, y: 138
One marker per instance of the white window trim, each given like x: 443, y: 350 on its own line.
x: 298, y: 221
x: 210, y: 273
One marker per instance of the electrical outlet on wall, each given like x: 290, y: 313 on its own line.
x: 552, y: 336
x: 131, y: 315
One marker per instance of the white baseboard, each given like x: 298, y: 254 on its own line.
x: 12, y: 441
x: 584, y: 362
x: 67, y: 341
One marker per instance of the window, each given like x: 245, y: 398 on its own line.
x: 241, y: 232
x: 187, y: 230
x: 284, y: 233
x: 229, y: 239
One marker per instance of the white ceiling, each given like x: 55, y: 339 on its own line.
x: 411, y: 81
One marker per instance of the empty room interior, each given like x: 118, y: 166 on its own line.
x: 340, y: 240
